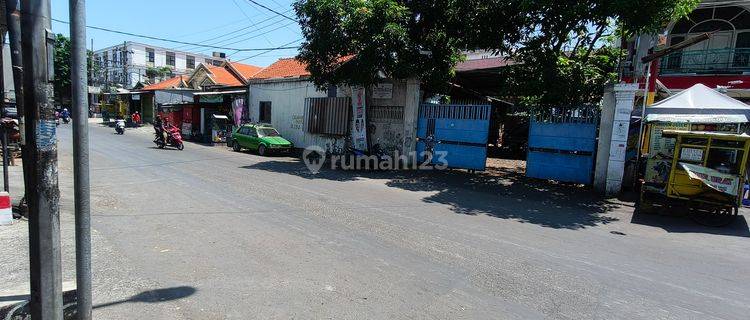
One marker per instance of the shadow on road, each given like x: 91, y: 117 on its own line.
x: 498, y: 192
x: 683, y: 224
x: 154, y: 296
x: 21, y: 310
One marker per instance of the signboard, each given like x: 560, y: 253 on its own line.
x: 382, y: 91
x: 691, y: 154
x: 718, y: 181
x: 359, y: 129
x: 663, y: 146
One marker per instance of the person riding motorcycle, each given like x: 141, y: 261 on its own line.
x: 65, y: 115
x: 159, y: 129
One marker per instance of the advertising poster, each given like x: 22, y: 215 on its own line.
x: 662, y: 147
x: 718, y: 181
x: 359, y: 133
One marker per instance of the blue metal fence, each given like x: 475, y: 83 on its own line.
x: 562, y: 144
x: 460, y: 131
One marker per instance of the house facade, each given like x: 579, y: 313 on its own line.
x: 284, y: 96
x: 126, y: 64
x: 721, y: 61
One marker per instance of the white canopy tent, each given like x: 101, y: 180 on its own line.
x: 699, y: 104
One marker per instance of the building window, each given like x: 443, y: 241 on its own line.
x: 150, y: 56
x: 105, y: 57
x: 330, y: 116
x: 264, y: 112
x: 209, y: 62
x: 170, y: 59
x: 217, y: 63
x: 190, y: 62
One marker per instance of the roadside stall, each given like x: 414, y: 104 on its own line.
x: 699, y: 110
x: 216, y: 112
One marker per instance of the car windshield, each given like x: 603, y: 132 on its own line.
x: 267, y: 132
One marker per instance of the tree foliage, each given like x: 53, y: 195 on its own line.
x: 559, y: 46
x: 157, y: 74
x: 61, y: 83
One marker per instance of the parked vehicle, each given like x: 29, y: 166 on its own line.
x: 120, y: 126
x: 174, y: 139
x: 261, y: 138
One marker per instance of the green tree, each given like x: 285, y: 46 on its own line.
x: 560, y: 46
x: 61, y: 83
x: 157, y: 74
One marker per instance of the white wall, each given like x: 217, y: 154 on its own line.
x: 288, y: 108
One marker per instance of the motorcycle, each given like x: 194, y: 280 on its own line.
x: 174, y: 139
x: 120, y: 126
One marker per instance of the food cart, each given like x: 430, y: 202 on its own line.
x: 693, y: 143
x: 706, y: 174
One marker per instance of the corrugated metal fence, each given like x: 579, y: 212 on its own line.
x: 329, y: 116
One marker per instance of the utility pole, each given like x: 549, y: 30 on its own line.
x: 79, y: 84
x: 44, y: 211
x: 4, y: 131
x: 13, y: 18
x: 124, y: 61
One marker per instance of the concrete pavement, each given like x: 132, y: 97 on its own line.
x: 225, y: 235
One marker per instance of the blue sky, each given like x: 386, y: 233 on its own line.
x: 224, y: 23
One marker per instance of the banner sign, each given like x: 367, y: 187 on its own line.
x: 382, y: 91
x: 718, y: 181
x: 359, y: 130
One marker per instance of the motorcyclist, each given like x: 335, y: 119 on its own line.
x: 159, y: 129
x: 65, y: 114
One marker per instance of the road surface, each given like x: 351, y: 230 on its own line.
x: 225, y: 235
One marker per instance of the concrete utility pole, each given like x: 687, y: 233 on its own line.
x: 44, y: 215
x: 13, y: 18
x: 4, y: 131
x: 80, y: 108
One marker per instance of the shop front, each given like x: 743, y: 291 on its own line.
x: 215, y: 113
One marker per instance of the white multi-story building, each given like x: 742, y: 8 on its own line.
x: 127, y: 64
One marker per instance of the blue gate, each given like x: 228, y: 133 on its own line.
x: 460, y: 131
x: 562, y: 144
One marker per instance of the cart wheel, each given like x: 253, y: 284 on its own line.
x: 715, y: 218
x: 643, y: 206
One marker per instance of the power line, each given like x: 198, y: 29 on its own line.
x: 248, y: 18
x: 283, y: 46
x: 175, y: 41
x: 272, y: 10
x: 217, y: 40
x: 226, y: 42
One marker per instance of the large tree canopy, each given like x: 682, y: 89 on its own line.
x: 558, y: 45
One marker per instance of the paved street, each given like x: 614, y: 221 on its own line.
x: 229, y: 235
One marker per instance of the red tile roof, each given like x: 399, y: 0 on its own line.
x: 481, y: 64
x: 246, y: 70
x: 171, y: 83
x: 222, y: 76
x: 284, y: 68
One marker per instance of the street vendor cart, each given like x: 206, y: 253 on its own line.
x: 706, y: 173
x: 694, y: 156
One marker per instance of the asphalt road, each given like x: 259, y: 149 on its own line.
x: 224, y: 235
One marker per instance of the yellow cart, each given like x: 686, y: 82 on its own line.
x: 706, y: 177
